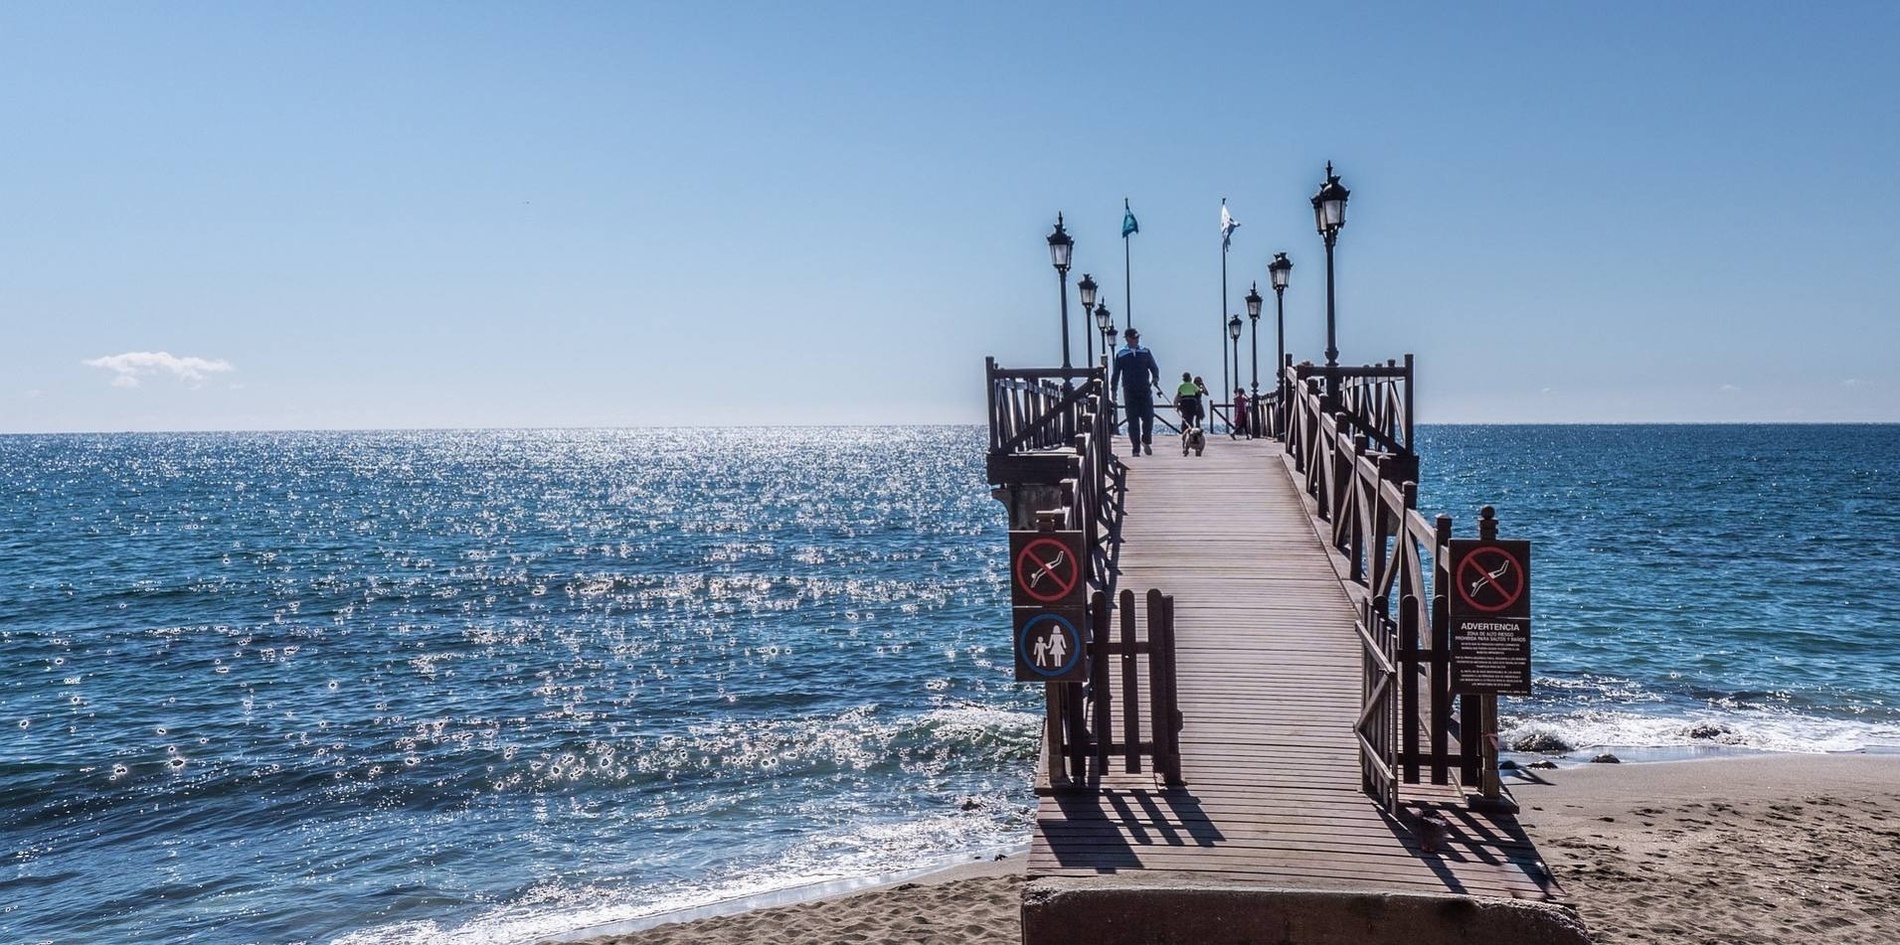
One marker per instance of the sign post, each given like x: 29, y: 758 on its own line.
x: 1049, y: 590
x: 1489, y: 611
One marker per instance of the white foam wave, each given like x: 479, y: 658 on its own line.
x: 1765, y: 730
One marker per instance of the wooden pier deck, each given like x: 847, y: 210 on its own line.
x: 1269, y: 678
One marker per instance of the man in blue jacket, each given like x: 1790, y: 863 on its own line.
x: 1136, y: 371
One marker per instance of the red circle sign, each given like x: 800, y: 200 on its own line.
x: 1046, y: 571
x: 1489, y: 579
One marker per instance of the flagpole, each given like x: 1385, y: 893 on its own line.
x: 1128, y: 293
x: 1128, y: 301
x: 1223, y: 314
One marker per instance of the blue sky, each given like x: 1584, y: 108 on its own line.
x: 265, y: 216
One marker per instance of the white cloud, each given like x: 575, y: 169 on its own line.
x: 129, y: 367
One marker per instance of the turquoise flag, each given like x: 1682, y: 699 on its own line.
x: 1128, y: 220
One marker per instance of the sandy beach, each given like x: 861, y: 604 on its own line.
x: 1775, y: 848
x: 1787, y: 849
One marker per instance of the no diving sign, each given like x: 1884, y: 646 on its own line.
x: 1490, y: 610
x: 1490, y: 578
x: 1047, y: 569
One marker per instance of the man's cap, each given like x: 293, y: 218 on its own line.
x: 1130, y: 333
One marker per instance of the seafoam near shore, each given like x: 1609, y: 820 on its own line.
x: 1785, y: 849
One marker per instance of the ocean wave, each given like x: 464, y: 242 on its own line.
x: 1760, y: 729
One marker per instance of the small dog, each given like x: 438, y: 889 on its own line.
x: 1433, y: 831
x: 1192, y: 439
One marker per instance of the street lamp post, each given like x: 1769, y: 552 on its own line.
x: 1233, y: 333
x: 1105, y: 323
x: 1085, y: 289
x: 1253, y: 339
x: 1329, y: 214
x: 1060, y: 246
x: 1278, y: 271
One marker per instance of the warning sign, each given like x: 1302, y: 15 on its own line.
x: 1047, y: 569
x: 1490, y: 578
x: 1491, y: 656
x: 1050, y: 645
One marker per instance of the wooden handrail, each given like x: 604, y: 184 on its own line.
x: 1353, y: 443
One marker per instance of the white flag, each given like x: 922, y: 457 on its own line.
x: 1227, y: 225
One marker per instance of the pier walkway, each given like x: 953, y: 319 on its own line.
x: 1268, y: 671
x: 1268, y: 740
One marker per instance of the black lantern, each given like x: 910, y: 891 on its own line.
x: 1329, y: 205
x: 1060, y: 246
x: 1280, y: 270
x: 1253, y: 337
x: 1329, y: 214
x: 1233, y: 333
x: 1086, y: 289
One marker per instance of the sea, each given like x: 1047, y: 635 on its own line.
x: 375, y: 688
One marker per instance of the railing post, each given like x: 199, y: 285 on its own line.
x: 1488, y: 704
x: 1054, y: 740
x: 989, y: 387
x: 1408, y: 687
x: 1411, y: 447
x: 1358, y: 510
x: 1131, y: 685
x: 1099, y: 692
x: 1166, y: 716
x: 1442, y: 698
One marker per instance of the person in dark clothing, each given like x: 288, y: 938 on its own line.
x: 1136, y: 371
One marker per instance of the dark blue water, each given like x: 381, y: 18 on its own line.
x: 1738, y: 579
x: 488, y: 686
x: 491, y: 686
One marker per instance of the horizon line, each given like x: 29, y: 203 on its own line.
x: 885, y: 426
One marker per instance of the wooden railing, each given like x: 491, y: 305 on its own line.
x: 1051, y: 457
x: 1039, y: 408
x: 1047, y: 430
x: 1350, y: 431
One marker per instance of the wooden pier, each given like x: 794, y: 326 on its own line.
x: 1321, y: 791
